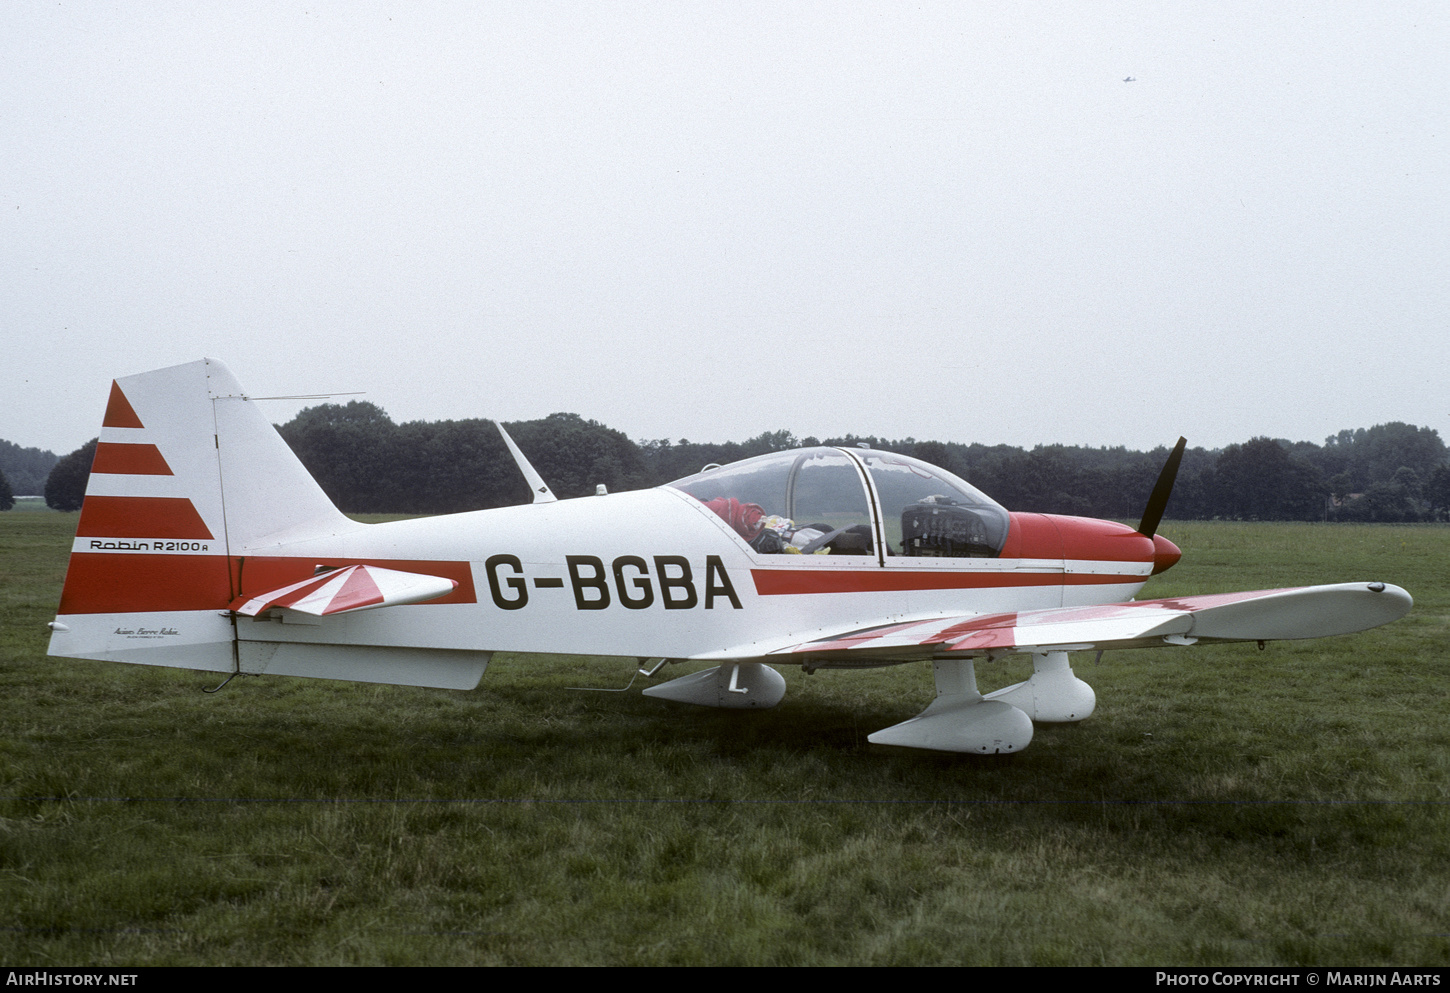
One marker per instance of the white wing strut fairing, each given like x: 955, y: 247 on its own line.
x: 203, y: 543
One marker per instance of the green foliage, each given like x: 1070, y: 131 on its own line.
x: 1437, y: 492
x: 452, y: 466
x: 26, y: 468
x: 574, y: 455
x: 7, y: 496
x: 346, y: 447
x: 1382, y: 502
x: 367, y: 464
x: 65, y: 488
x: 663, y: 461
x: 1375, y: 454
x: 1261, y: 481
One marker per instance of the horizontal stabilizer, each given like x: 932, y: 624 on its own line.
x: 355, y: 587
x: 1257, y: 615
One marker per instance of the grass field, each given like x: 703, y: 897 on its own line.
x: 1223, y: 806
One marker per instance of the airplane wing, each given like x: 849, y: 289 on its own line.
x: 1256, y: 615
x: 338, y: 591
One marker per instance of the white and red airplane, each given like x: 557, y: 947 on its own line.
x: 203, y: 543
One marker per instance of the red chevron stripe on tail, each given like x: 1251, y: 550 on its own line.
x: 119, y: 412
x: 122, y: 459
x: 140, y: 517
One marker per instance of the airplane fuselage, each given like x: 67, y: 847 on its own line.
x: 649, y: 574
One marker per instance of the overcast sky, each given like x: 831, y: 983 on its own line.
x: 708, y: 220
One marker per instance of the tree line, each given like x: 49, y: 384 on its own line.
x: 366, y: 463
x: 23, y: 471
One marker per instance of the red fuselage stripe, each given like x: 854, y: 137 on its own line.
x: 100, y: 583
x: 772, y: 582
x: 119, y: 583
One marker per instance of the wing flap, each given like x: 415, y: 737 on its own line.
x: 1255, y: 615
x: 341, y: 591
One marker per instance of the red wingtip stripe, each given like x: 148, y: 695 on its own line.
x: 119, y: 412
x: 130, y: 460
x: 140, y: 517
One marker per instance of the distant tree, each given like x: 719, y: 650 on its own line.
x: 347, y: 448
x: 992, y: 469
x: 1260, y: 480
x: 1437, y: 492
x: 65, y: 489
x: 1341, y: 486
x: 26, y: 468
x: 574, y: 455
x: 367, y: 463
x: 771, y: 441
x: 1409, y: 480
x: 1375, y: 454
x: 1050, y: 482
x: 447, y: 467
x: 938, y: 455
x: 7, y: 498
x: 1381, y: 502
x: 1194, y: 489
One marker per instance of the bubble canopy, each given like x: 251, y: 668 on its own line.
x: 912, y: 508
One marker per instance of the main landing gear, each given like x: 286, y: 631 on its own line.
x: 961, y: 719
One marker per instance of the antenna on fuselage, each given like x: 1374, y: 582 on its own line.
x: 541, y: 491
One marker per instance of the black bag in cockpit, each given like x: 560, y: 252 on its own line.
x: 944, y: 530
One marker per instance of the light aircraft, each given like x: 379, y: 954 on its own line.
x: 203, y: 543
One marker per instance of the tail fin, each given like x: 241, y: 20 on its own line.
x: 188, y: 476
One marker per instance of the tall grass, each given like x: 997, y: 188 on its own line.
x: 1224, y: 805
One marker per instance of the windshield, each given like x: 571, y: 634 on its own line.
x: 928, y: 512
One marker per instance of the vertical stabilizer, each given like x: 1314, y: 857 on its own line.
x: 188, y: 476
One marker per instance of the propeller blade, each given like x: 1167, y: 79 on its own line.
x: 1158, y: 499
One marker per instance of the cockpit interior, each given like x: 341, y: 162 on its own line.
x: 844, y: 501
